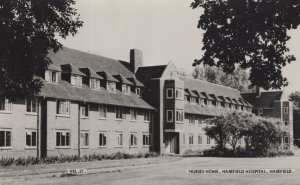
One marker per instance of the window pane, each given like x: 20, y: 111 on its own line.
x: 8, y: 138
x: 28, y: 139
x: 67, y: 139
x: 57, y: 138
x: 33, y: 138
x: 2, y: 138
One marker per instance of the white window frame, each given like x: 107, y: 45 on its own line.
x: 138, y: 91
x: 147, y: 139
x: 133, y: 139
x: 111, y: 87
x: 65, y: 110
x: 51, y: 76
x: 285, y: 110
x: 286, y: 123
x: 85, y: 109
x: 122, y: 113
x: 260, y: 111
x: 200, y: 140
x: 192, y: 118
x: 133, y: 114
x: 95, y: 83
x: 191, y: 139
x: 147, y: 116
x: 208, y: 140
x: 183, y: 138
x: 167, y: 115
x: 84, y: 139
x: 30, y: 101
x: 6, y: 146
x: 172, y: 93
x: 102, y: 111
x: 103, y: 135
x: 119, y: 139
x: 66, y: 134
x: 179, y: 116
x: 6, y: 106
x: 179, y: 94
x: 31, y: 135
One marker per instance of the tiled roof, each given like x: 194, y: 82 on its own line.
x: 136, y: 81
x: 89, y: 72
x: 70, y: 68
x: 205, y: 110
x: 122, y: 79
x: 82, y: 60
x: 210, y: 88
x: 265, y: 100
x: 64, y: 90
x: 53, y: 67
x: 149, y: 72
x: 107, y: 76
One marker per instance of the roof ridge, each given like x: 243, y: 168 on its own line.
x: 153, y: 66
x: 189, y: 77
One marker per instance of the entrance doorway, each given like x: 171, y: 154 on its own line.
x: 172, y: 143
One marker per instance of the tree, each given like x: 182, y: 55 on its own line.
x: 295, y: 97
x: 28, y: 30
x: 237, y: 80
x: 250, y: 33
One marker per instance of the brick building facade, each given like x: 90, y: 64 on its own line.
x: 92, y: 104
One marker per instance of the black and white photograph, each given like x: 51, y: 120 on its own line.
x: 171, y: 92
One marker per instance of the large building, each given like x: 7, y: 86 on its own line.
x: 92, y: 104
x: 274, y: 104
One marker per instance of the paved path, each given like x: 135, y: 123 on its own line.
x: 174, y: 172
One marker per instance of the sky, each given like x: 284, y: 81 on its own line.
x: 164, y: 30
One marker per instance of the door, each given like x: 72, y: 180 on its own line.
x: 174, y: 143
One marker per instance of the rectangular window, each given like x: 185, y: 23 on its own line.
x: 169, y: 93
x: 191, y: 139
x: 133, y: 139
x: 31, y: 105
x: 286, y: 123
x: 102, y: 111
x: 5, y: 138
x: 286, y: 140
x: 183, y: 139
x: 120, y: 113
x: 51, y: 76
x: 179, y: 116
x: 285, y: 110
x: 133, y: 114
x: 102, y: 139
x: 191, y: 118
x: 31, y: 138
x: 85, y: 110
x: 5, y: 105
x: 147, y: 116
x: 94, y: 83
x: 138, y: 91
x: 76, y: 80
x: 169, y: 115
x: 63, y: 138
x: 111, y: 87
x: 84, y: 138
x: 200, y: 139
x: 208, y: 140
x: 200, y: 120
x: 119, y: 139
x: 260, y: 111
x: 63, y: 107
x: 146, y: 139
x: 178, y: 93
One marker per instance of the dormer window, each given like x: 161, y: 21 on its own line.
x: 51, y: 76
x: 138, y: 91
x: 193, y: 99
x: 111, y: 87
x: 76, y: 80
x: 94, y: 83
x: 126, y: 89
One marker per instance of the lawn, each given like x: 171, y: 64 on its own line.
x: 161, y: 170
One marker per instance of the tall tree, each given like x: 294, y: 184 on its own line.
x: 237, y: 80
x: 250, y: 33
x: 295, y: 97
x: 29, y: 30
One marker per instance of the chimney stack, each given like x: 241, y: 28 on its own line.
x: 136, y: 59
